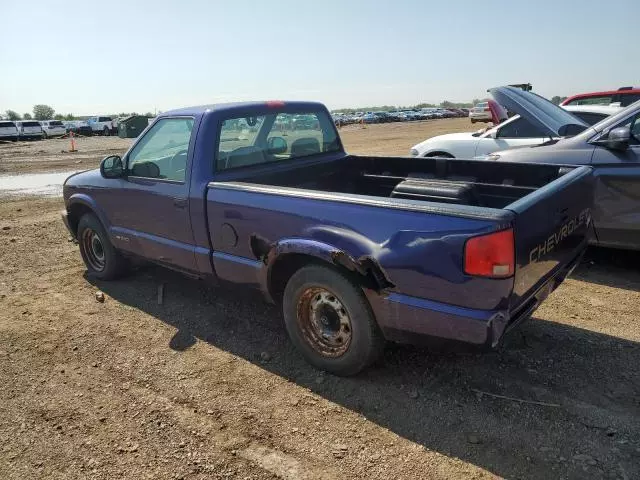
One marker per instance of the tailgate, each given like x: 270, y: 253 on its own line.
x: 551, y: 226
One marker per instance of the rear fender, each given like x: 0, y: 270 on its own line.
x: 366, y: 268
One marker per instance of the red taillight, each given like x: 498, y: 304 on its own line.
x: 491, y: 255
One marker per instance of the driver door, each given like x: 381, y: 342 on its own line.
x: 514, y: 133
x: 616, y: 211
x: 150, y: 216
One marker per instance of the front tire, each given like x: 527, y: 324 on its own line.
x: 101, y: 258
x: 330, y: 321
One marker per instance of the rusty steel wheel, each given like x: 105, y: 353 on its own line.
x: 330, y: 321
x: 324, y: 322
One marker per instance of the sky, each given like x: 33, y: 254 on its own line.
x: 148, y: 55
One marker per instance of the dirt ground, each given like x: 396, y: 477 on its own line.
x: 206, y: 384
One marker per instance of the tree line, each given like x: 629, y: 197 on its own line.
x: 45, y: 112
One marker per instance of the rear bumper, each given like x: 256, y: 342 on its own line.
x: 408, y: 319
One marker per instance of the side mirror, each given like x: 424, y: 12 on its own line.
x: 276, y: 145
x: 618, y: 139
x: 111, y: 167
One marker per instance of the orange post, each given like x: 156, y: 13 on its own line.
x: 73, y: 142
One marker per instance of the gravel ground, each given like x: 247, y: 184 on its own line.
x: 206, y: 384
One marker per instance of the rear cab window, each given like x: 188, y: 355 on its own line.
x: 104, y: 119
x: 7, y: 125
x: 276, y: 137
x: 56, y: 123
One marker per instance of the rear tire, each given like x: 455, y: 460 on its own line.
x: 101, y: 258
x: 105, y: 132
x: 330, y: 321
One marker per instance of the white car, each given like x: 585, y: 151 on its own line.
x: 29, y: 129
x: 514, y: 132
x: 480, y: 113
x: 102, y: 125
x: 53, y: 128
x: 8, y: 130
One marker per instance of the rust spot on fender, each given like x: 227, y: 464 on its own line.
x: 366, y: 266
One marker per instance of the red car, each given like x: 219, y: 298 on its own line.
x: 624, y: 95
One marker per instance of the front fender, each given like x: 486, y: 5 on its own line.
x: 89, y: 202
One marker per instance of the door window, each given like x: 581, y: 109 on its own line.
x: 162, y: 152
x: 629, y: 98
x: 519, y: 128
x: 635, y: 131
x: 590, y: 118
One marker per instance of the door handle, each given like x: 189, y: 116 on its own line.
x: 179, y: 202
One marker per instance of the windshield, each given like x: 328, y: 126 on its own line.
x: 275, y: 137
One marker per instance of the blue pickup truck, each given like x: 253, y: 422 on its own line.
x: 358, y: 250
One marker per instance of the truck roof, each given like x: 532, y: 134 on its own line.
x: 245, y: 106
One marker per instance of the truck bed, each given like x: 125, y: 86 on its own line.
x: 487, y: 184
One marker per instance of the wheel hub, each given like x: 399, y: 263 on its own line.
x: 324, y: 322
x: 94, y: 250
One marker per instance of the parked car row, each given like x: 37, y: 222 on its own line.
x: 13, y: 130
x: 398, y: 116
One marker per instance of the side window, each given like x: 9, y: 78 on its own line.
x: 628, y: 99
x: 590, y: 118
x: 635, y: 131
x: 162, y: 152
x: 519, y: 128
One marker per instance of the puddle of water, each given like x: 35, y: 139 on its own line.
x: 40, y: 184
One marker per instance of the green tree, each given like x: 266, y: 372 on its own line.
x: 43, y: 112
x: 58, y: 116
x: 69, y: 116
x: 11, y: 115
x: 557, y: 100
x: 149, y: 115
x: 27, y: 116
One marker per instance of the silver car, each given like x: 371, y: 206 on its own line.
x: 611, y: 147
